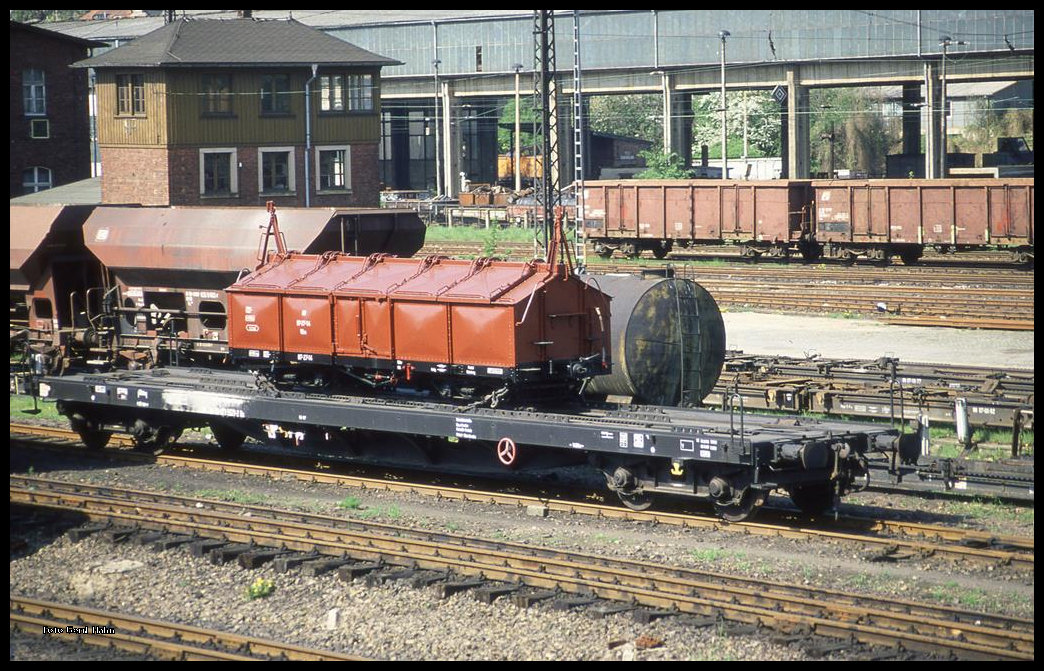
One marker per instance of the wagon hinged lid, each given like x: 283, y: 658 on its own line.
x: 36, y: 228
x: 216, y: 239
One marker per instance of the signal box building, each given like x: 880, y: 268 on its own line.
x: 238, y: 112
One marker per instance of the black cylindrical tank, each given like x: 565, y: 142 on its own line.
x: 668, y: 340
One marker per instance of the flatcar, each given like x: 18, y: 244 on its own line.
x: 843, y: 219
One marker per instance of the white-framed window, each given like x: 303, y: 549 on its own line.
x: 331, y: 93
x: 218, y: 173
x: 34, y: 92
x: 333, y: 166
x: 275, y: 170
x: 39, y: 129
x: 130, y: 95
x: 36, y: 179
x: 360, y: 93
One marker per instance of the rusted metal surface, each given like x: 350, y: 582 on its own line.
x: 43, y: 230
x: 883, y: 388
x: 704, y: 210
x: 51, y: 269
x: 933, y: 212
x: 225, y: 239
x: 668, y: 340
x: 431, y: 310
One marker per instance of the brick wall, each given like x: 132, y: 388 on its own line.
x: 67, y: 152
x: 135, y: 175
x: 185, y: 180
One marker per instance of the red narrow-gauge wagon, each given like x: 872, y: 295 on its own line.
x: 458, y: 327
x: 637, y: 215
x: 878, y: 218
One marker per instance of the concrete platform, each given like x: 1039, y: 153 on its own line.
x: 799, y: 335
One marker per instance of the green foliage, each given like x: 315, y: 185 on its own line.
x: 46, y: 15
x: 851, y: 121
x: 350, y: 503
x: 989, y: 124
x: 490, y: 244
x: 756, y: 110
x: 527, y: 117
x: 261, y: 588
x: 663, y: 166
x: 638, y: 116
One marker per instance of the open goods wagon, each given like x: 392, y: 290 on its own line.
x: 881, y: 217
x: 637, y: 215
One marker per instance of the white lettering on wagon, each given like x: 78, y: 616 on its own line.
x: 204, y: 403
x: 464, y: 429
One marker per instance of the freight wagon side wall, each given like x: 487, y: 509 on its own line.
x: 932, y: 212
x: 699, y: 210
x: 255, y: 322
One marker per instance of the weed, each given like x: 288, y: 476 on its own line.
x: 231, y: 496
x: 261, y: 588
x: 350, y: 503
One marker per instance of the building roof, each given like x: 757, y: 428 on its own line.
x: 43, y: 32
x: 190, y: 42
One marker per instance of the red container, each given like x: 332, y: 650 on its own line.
x: 435, y: 315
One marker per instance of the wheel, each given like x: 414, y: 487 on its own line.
x: 910, y: 256
x: 743, y: 508
x: 227, y: 437
x: 149, y: 437
x: 662, y: 249
x: 93, y: 439
x: 814, y: 499
x: 603, y: 251
x: 636, y: 501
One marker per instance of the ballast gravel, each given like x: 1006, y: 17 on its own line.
x: 392, y: 621
x: 395, y: 621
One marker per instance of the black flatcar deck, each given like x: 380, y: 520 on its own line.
x: 701, y: 435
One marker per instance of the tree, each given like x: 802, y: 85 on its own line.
x: 851, y: 121
x: 663, y: 166
x: 639, y: 116
x: 45, y: 15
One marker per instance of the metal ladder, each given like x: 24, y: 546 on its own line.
x: 580, y: 248
x: 688, y: 327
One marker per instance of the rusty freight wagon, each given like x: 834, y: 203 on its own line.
x: 168, y: 267
x: 52, y: 276
x: 637, y: 215
x: 459, y: 328
x: 881, y: 218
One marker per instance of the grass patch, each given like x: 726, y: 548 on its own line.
x: 952, y: 593
x: 232, y: 496
x: 477, y: 234
x: 259, y: 589
x: 350, y: 503
x: 989, y: 510
x: 22, y: 408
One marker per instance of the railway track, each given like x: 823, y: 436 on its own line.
x: 885, y: 388
x: 156, y: 638
x: 932, y: 295
x: 786, y: 608
x: 892, y: 540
